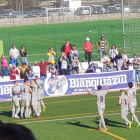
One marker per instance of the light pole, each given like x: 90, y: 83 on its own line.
x: 22, y: 6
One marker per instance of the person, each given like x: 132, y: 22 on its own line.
x: 43, y: 67
x: 12, y: 61
x: 11, y: 131
x: 132, y: 92
x: 13, y: 73
x: 4, y: 64
x: 113, y: 52
x: 75, y: 65
x: 66, y: 48
x: 100, y: 96
x: 123, y: 101
x: 39, y: 83
x: 108, y: 66
x: 63, y: 64
x: 124, y: 57
x: 136, y: 63
x: 15, y: 100
x: 88, y: 50
x: 30, y: 74
x: 54, y: 71
x: 23, y: 54
x: 124, y: 66
x: 74, y: 52
x: 14, y: 51
x: 102, y: 45
x: 91, y: 68
x: 51, y: 53
x: 23, y: 69
x: 104, y: 60
x: 25, y: 89
x: 34, y: 99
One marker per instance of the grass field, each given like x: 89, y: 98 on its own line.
x: 76, y: 118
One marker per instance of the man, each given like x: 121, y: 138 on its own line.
x: 25, y: 89
x: 88, y: 50
x: 66, y: 48
x: 100, y: 96
x: 133, y: 101
x: 74, y: 52
x: 13, y: 73
x: 15, y: 100
x: 102, y: 45
x: 40, y: 94
x: 23, y: 69
x: 14, y: 51
x: 91, y: 68
x: 123, y: 101
x: 43, y: 67
x: 34, y: 99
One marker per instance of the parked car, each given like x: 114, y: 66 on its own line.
x: 127, y: 9
x: 17, y: 14
x: 82, y: 11
x: 63, y: 12
x: 97, y: 9
x: 53, y: 12
x: 112, y: 9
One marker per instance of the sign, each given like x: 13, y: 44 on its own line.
x: 74, y: 84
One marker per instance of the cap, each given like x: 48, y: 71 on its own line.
x: 42, y: 59
x: 102, y: 35
x: 121, y: 90
x: 87, y: 38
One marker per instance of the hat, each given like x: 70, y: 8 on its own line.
x: 42, y: 59
x: 87, y: 38
x: 122, y: 90
x: 102, y: 35
x: 108, y: 59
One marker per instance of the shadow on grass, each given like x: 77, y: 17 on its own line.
x: 6, y: 113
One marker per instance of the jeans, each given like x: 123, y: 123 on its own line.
x: 64, y: 72
x: 88, y: 56
x: 101, y: 53
x: 69, y: 57
x: 4, y: 71
x: 43, y: 75
x: 24, y: 60
x: 17, y: 62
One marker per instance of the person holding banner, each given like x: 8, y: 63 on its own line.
x: 100, y: 96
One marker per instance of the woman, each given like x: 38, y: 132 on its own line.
x: 13, y: 73
x: 51, y: 57
x: 30, y: 74
x: 4, y: 64
x: 75, y: 67
x: 124, y: 66
x: 12, y: 61
x: 23, y: 54
x: 113, y: 52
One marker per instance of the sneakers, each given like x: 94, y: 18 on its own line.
x: 44, y: 109
x: 129, y: 125
x: 16, y: 116
x: 99, y: 127
x: 138, y: 125
x: 105, y: 129
x: 37, y: 116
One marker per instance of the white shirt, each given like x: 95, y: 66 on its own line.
x: 14, y: 52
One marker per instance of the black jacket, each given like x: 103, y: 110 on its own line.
x: 63, y: 47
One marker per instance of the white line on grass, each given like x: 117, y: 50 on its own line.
x: 70, y: 118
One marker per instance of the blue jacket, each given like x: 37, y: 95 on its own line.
x: 12, y: 61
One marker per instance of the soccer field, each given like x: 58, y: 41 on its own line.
x: 38, y: 38
x: 76, y: 118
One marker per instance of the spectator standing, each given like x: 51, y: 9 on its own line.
x: 75, y: 67
x: 124, y: 56
x: 63, y: 64
x: 124, y: 66
x: 102, y: 45
x: 54, y: 71
x: 23, y: 69
x: 74, y: 52
x: 13, y: 72
x: 12, y: 61
x: 51, y: 53
x: 30, y: 74
x: 66, y: 48
x: 43, y: 67
x: 14, y: 51
x: 4, y: 64
x: 23, y: 54
x: 91, y: 68
x: 88, y: 50
x: 136, y: 64
x: 113, y: 53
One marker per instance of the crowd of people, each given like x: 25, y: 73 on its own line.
x: 68, y: 63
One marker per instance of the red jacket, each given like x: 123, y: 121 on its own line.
x: 87, y: 45
x: 43, y: 67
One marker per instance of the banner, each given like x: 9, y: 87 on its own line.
x: 74, y: 84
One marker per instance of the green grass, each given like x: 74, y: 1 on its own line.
x: 50, y: 127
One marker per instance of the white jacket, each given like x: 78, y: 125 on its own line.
x: 14, y: 52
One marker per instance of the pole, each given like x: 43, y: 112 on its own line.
x: 47, y: 15
x: 90, y: 14
x: 22, y: 6
x: 123, y: 26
